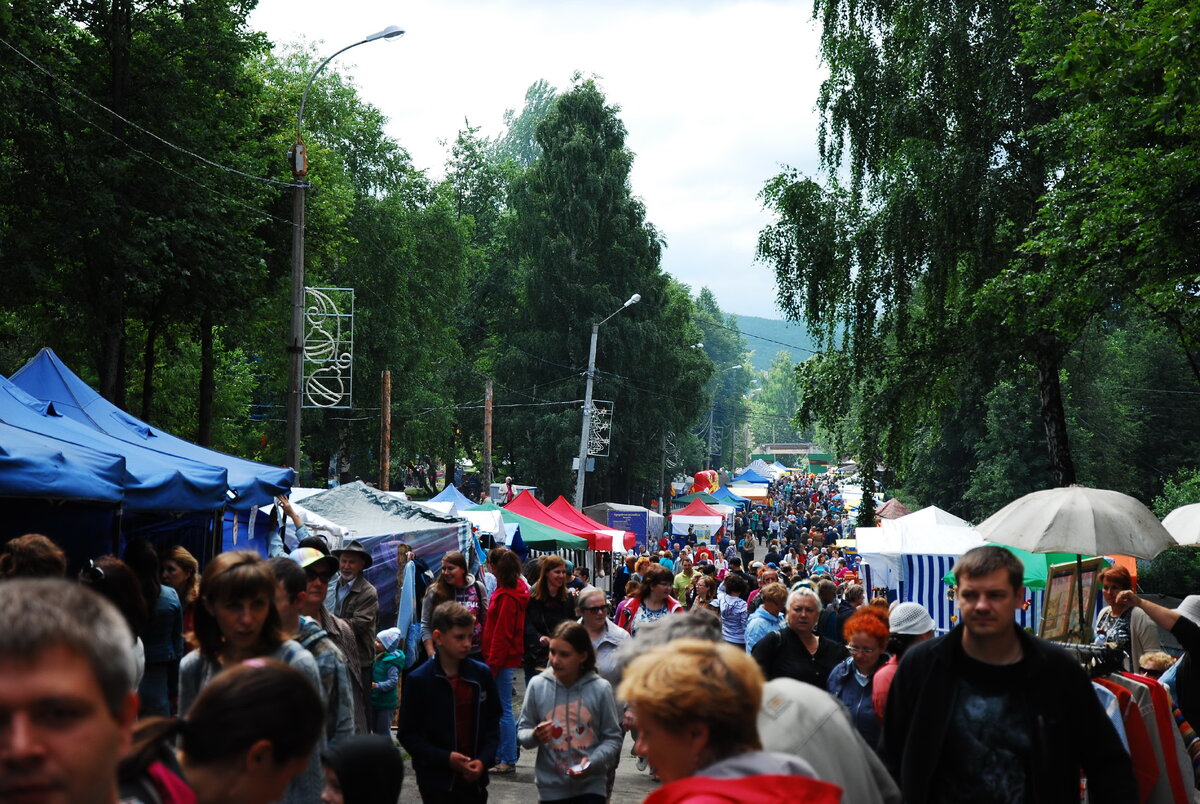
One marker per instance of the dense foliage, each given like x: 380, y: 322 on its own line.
x: 146, y: 236
x: 999, y: 254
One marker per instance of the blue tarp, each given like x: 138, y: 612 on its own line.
x: 152, y: 481
x: 725, y: 495
x: 451, y: 494
x: 36, y: 465
x: 47, y: 378
x: 750, y: 476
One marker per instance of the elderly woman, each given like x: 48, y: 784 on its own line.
x: 605, y: 635
x: 851, y: 682
x: 1124, y: 625
x: 690, y: 700
x: 796, y: 651
x: 653, y: 601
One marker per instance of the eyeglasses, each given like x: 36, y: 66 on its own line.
x: 863, y: 651
x: 323, y: 577
x: 91, y: 573
x: 593, y: 609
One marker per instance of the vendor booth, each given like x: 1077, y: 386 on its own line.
x: 908, y: 560
x: 640, y: 521
x: 704, y: 520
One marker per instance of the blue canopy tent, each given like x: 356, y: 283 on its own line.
x: 453, y: 495
x: 47, y: 378
x: 61, y: 490
x: 750, y: 476
x: 152, y: 481
x: 725, y: 495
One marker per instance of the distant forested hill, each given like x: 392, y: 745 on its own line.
x: 756, y: 329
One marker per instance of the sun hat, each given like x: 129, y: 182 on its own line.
x: 910, y: 618
x: 356, y: 548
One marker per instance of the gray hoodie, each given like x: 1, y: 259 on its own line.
x: 585, y: 724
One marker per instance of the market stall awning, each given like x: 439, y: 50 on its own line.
x: 607, y: 540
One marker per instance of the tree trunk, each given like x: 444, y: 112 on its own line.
x: 1054, y: 416
x: 148, y: 360
x: 208, y: 370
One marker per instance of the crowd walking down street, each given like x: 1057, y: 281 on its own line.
x: 749, y: 667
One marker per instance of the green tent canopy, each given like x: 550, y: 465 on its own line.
x: 702, y: 496
x: 1037, y: 566
x: 536, y: 535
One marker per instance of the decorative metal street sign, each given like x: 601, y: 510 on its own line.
x: 329, y: 348
x: 601, y: 434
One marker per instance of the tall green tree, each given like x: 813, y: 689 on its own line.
x: 583, y: 248
x: 728, y: 406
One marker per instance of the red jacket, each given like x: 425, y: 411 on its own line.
x: 747, y: 790
x: 503, y: 642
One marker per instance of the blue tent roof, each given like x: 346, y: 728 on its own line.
x: 724, y: 493
x: 36, y: 465
x: 47, y: 378
x: 451, y: 494
x: 750, y: 476
x: 152, y: 481
x: 778, y: 465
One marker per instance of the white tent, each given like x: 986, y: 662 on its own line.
x: 909, y: 556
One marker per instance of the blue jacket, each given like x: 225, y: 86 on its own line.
x: 427, y: 726
x: 857, y: 699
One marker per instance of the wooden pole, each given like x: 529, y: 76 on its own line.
x: 487, y: 437
x: 385, y: 430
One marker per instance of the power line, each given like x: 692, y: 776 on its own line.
x: 712, y: 323
x: 238, y: 202
x: 132, y: 124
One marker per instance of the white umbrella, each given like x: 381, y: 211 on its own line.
x: 1077, y: 519
x: 1184, y: 524
x: 1080, y: 520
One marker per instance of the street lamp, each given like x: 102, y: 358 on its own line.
x: 711, y: 412
x: 298, y: 157
x: 581, y: 472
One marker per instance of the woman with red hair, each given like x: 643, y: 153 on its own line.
x: 1127, y: 627
x: 852, y: 681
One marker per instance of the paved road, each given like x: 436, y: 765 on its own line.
x: 631, y: 785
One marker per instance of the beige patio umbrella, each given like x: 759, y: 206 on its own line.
x: 1184, y: 525
x: 1079, y: 520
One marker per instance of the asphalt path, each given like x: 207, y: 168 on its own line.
x: 631, y: 785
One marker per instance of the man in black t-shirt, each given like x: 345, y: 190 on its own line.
x: 993, y: 715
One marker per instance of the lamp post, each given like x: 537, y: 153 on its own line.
x: 581, y: 472
x: 298, y: 157
x: 711, y: 413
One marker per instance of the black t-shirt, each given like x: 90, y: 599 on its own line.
x: 988, y: 751
x: 781, y: 654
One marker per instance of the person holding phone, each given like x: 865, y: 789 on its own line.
x: 570, y: 716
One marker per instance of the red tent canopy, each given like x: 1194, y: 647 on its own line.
x: 608, y: 539
x: 697, y: 508
x: 529, y: 506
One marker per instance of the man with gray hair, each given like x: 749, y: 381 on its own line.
x: 67, y: 700
x: 795, y: 718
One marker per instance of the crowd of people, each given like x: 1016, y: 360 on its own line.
x: 146, y: 679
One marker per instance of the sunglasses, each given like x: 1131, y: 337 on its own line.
x: 1146, y: 671
x: 313, y: 575
x: 593, y: 609
x: 91, y: 573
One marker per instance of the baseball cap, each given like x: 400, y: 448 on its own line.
x: 312, y: 558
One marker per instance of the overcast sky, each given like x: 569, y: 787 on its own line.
x: 715, y: 96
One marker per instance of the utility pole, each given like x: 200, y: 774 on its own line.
x: 708, y: 458
x: 298, y: 157
x: 487, y: 437
x: 385, y: 430
x: 662, y: 478
x: 585, y: 434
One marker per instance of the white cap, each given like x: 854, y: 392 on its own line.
x: 911, y: 618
